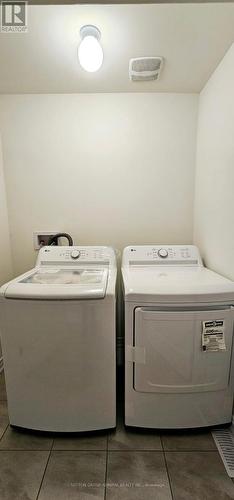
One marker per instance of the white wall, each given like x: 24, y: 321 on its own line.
x: 5, y: 250
x: 214, y: 199
x: 111, y: 169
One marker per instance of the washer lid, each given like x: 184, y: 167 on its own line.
x: 56, y: 283
x: 166, y: 284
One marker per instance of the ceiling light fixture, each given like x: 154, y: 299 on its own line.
x: 90, y: 51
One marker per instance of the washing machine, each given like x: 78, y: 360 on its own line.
x: 178, y: 339
x: 57, y: 326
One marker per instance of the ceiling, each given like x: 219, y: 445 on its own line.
x: 192, y: 38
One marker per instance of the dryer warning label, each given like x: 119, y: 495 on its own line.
x: 213, y: 335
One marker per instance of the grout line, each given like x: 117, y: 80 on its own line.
x: 185, y: 450
x: 24, y: 449
x: 88, y: 450
x: 107, y: 444
x: 4, y: 432
x: 168, y: 475
x: 43, y: 475
x: 167, y: 470
x: 109, y: 451
x: 156, y: 450
x: 161, y: 441
x: 105, y: 491
x: 129, y: 450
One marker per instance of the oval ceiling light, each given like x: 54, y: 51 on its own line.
x: 90, y: 51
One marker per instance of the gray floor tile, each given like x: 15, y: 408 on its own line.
x: 87, y: 442
x: 188, y: 441
x: 74, y: 475
x: 21, y: 473
x: 199, y: 476
x: 3, y: 417
x: 3, y: 395
x: 22, y: 440
x: 3, y: 409
x: 137, y: 475
x: 130, y: 439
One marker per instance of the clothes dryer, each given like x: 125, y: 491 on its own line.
x: 178, y: 339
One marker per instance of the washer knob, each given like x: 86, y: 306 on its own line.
x: 75, y: 254
x: 163, y: 253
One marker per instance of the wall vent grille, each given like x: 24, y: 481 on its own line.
x: 224, y: 441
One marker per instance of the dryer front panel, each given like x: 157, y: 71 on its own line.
x: 170, y: 356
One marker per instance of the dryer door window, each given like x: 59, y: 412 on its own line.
x: 170, y: 354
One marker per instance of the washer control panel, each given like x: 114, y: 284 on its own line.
x: 52, y: 255
x: 75, y: 254
x: 161, y: 255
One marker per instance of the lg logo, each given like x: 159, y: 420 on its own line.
x: 14, y: 17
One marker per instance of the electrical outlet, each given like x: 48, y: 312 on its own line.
x: 41, y: 238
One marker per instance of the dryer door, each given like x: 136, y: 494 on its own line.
x: 170, y: 357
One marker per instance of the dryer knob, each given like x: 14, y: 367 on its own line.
x: 163, y: 253
x: 75, y: 254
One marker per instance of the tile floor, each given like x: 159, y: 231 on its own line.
x: 122, y: 464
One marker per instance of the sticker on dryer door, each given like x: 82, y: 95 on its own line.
x: 213, y: 335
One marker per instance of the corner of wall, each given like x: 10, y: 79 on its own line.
x: 213, y: 220
x: 6, y: 268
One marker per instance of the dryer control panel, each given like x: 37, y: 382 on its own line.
x: 143, y: 255
x: 75, y: 255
